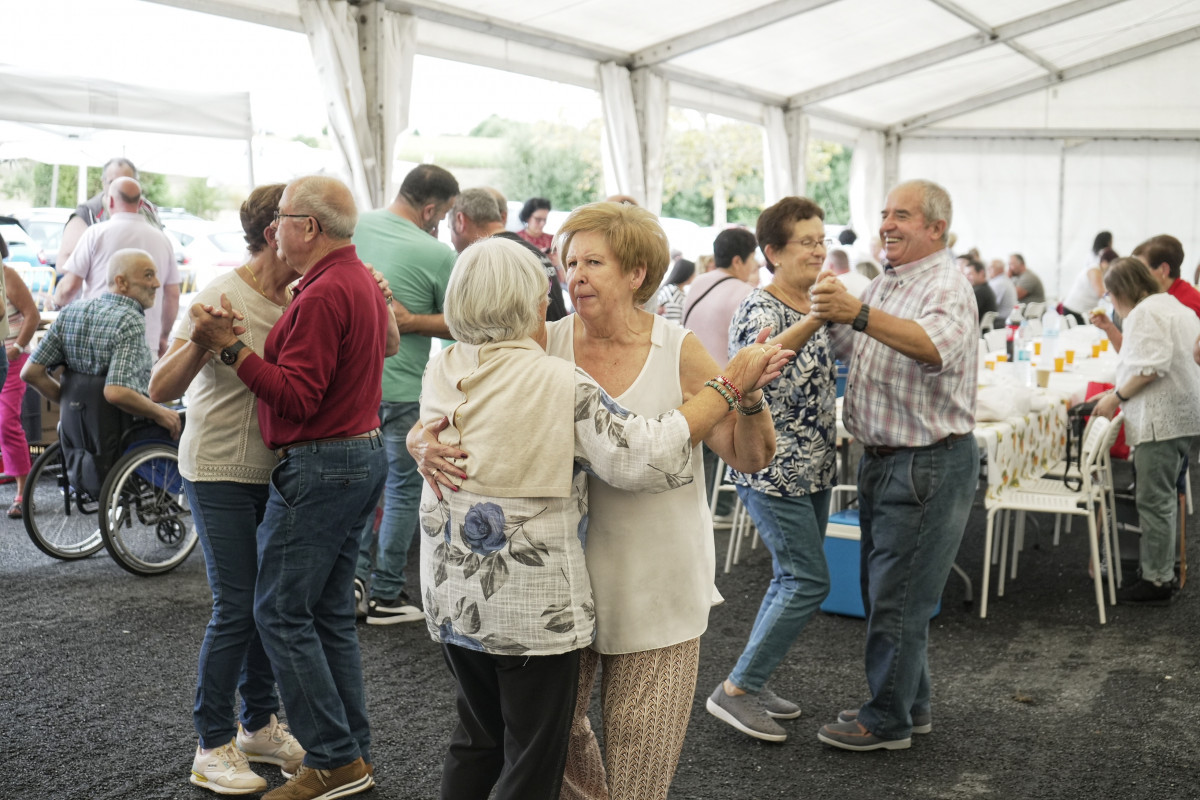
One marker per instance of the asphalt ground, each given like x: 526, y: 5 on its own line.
x: 97, y: 670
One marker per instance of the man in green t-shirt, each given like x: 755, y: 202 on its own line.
x: 401, y: 242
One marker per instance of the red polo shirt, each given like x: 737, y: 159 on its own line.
x: 321, y: 374
x: 1185, y: 293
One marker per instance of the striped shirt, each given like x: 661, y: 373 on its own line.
x: 102, y: 336
x: 892, y: 400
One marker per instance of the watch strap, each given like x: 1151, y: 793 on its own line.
x: 860, y: 322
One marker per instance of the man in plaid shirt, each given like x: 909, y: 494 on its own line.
x: 911, y: 344
x: 107, y: 336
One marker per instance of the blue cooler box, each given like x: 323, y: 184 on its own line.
x: 842, y: 554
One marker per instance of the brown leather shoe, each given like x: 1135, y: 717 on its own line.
x: 325, y: 784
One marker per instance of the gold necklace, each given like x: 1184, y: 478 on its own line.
x: 254, y: 278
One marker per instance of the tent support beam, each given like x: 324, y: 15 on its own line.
x: 954, y: 8
x: 1000, y: 35
x: 1070, y: 73
x: 721, y: 30
x: 1182, y: 135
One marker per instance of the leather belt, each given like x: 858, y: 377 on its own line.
x: 280, y: 452
x: 884, y: 451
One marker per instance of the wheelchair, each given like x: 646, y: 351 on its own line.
x: 110, y: 481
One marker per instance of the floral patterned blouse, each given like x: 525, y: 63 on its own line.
x: 506, y: 575
x: 802, y: 403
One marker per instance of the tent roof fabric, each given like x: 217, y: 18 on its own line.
x: 915, y: 66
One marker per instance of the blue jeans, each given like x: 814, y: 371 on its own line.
x: 321, y: 496
x: 231, y: 656
x: 913, y: 507
x: 793, y: 528
x: 401, y: 497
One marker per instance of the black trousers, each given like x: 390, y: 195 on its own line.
x: 514, y: 717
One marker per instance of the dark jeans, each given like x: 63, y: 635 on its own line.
x: 231, y: 656
x: 401, y: 496
x: 321, y: 496
x: 514, y: 717
x: 913, y: 508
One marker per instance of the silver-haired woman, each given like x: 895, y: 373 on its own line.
x: 506, y: 589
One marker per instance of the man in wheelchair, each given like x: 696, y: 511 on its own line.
x: 102, y: 344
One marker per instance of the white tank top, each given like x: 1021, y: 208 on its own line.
x: 651, y: 557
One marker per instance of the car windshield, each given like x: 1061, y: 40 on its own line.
x: 15, y: 235
x: 48, y: 232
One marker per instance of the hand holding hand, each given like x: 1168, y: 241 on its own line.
x: 212, y: 327
x: 831, y: 302
x: 756, y: 365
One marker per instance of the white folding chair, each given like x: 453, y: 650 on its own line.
x: 996, y: 340
x: 987, y: 322
x: 1052, y: 496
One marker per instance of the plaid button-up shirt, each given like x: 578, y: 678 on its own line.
x: 106, y: 334
x: 892, y: 400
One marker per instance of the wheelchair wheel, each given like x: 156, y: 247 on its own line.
x: 61, y: 522
x: 145, y: 519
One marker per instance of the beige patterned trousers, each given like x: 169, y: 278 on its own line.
x: 646, y: 701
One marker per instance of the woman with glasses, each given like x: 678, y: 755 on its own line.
x: 789, y: 500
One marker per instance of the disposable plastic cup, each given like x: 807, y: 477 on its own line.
x: 1001, y: 358
x: 1070, y: 356
x: 1037, y: 348
x: 1096, y: 350
x: 1104, y: 345
x: 1058, y: 363
x: 989, y: 365
x: 1043, y: 378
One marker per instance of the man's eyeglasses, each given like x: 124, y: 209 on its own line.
x: 812, y: 244
x: 279, y: 216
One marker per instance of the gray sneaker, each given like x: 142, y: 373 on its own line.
x: 853, y: 736
x: 922, y: 721
x: 746, y: 713
x: 776, y: 706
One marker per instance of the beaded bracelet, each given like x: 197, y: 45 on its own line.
x: 728, y: 384
x: 757, y: 408
x: 722, y: 391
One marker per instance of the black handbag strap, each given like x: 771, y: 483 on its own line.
x: 696, y: 302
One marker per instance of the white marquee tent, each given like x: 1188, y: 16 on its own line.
x: 1047, y: 120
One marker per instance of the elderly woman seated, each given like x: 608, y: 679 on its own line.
x: 506, y: 589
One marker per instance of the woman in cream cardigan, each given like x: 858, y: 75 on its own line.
x: 506, y: 590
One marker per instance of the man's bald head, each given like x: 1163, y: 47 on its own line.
x: 124, y: 262
x: 125, y: 194
x: 131, y: 273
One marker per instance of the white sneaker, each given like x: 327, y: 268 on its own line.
x: 226, y: 771
x: 272, y: 744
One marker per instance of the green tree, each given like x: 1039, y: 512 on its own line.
x: 718, y: 157
x: 558, y: 162
x: 201, y: 199
x: 67, y: 178
x: 828, y: 173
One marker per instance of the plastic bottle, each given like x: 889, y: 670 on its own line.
x: 1051, y: 327
x: 1023, y: 353
x: 1014, y: 322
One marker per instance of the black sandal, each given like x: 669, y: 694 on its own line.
x: 14, y: 511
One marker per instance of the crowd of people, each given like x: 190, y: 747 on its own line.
x: 587, y: 551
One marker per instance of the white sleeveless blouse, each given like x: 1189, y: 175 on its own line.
x: 651, y: 557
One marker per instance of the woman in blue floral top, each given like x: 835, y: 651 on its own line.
x: 789, y: 500
x: 506, y: 590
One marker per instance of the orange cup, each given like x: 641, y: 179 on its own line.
x: 1096, y: 351
x: 1104, y: 345
x: 1037, y: 348
x: 1070, y: 356
x: 1058, y: 363
x: 989, y: 365
x: 1001, y: 358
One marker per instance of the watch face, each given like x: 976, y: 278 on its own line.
x: 229, y: 354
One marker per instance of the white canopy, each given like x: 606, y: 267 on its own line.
x: 1046, y: 119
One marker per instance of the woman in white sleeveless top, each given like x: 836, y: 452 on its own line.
x: 650, y: 557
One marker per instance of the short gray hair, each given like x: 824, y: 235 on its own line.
x: 479, y: 205
x: 329, y: 200
x: 122, y: 262
x: 935, y: 204
x: 495, y: 292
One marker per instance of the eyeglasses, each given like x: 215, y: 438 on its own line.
x: 811, y: 244
x: 279, y: 216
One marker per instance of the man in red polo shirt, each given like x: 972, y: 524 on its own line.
x: 1163, y: 254
x: 318, y: 384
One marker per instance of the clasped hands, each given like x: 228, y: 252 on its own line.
x: 830, y: 300
x: 213, y: 327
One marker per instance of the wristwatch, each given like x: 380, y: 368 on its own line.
x: 229, y: 355
x: 860, y: 322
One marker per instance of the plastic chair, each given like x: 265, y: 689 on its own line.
x: 996, y: 340
x: 987, y: 322
x: 1050, y: 495
x: 41, y: 282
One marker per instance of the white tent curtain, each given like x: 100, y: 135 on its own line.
x: 867, y: 190
x: 334, y: 38
x: 650, y: 103
x: 635, y: 131
x: 623, y: 170
x: 785, y: 148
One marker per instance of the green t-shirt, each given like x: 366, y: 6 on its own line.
x: 418, y: 268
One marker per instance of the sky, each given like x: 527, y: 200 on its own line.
x: 189, y: 50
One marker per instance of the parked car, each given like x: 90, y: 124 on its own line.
x: 21, y: 246
x: 204, y: 249
x: 46, y: 226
